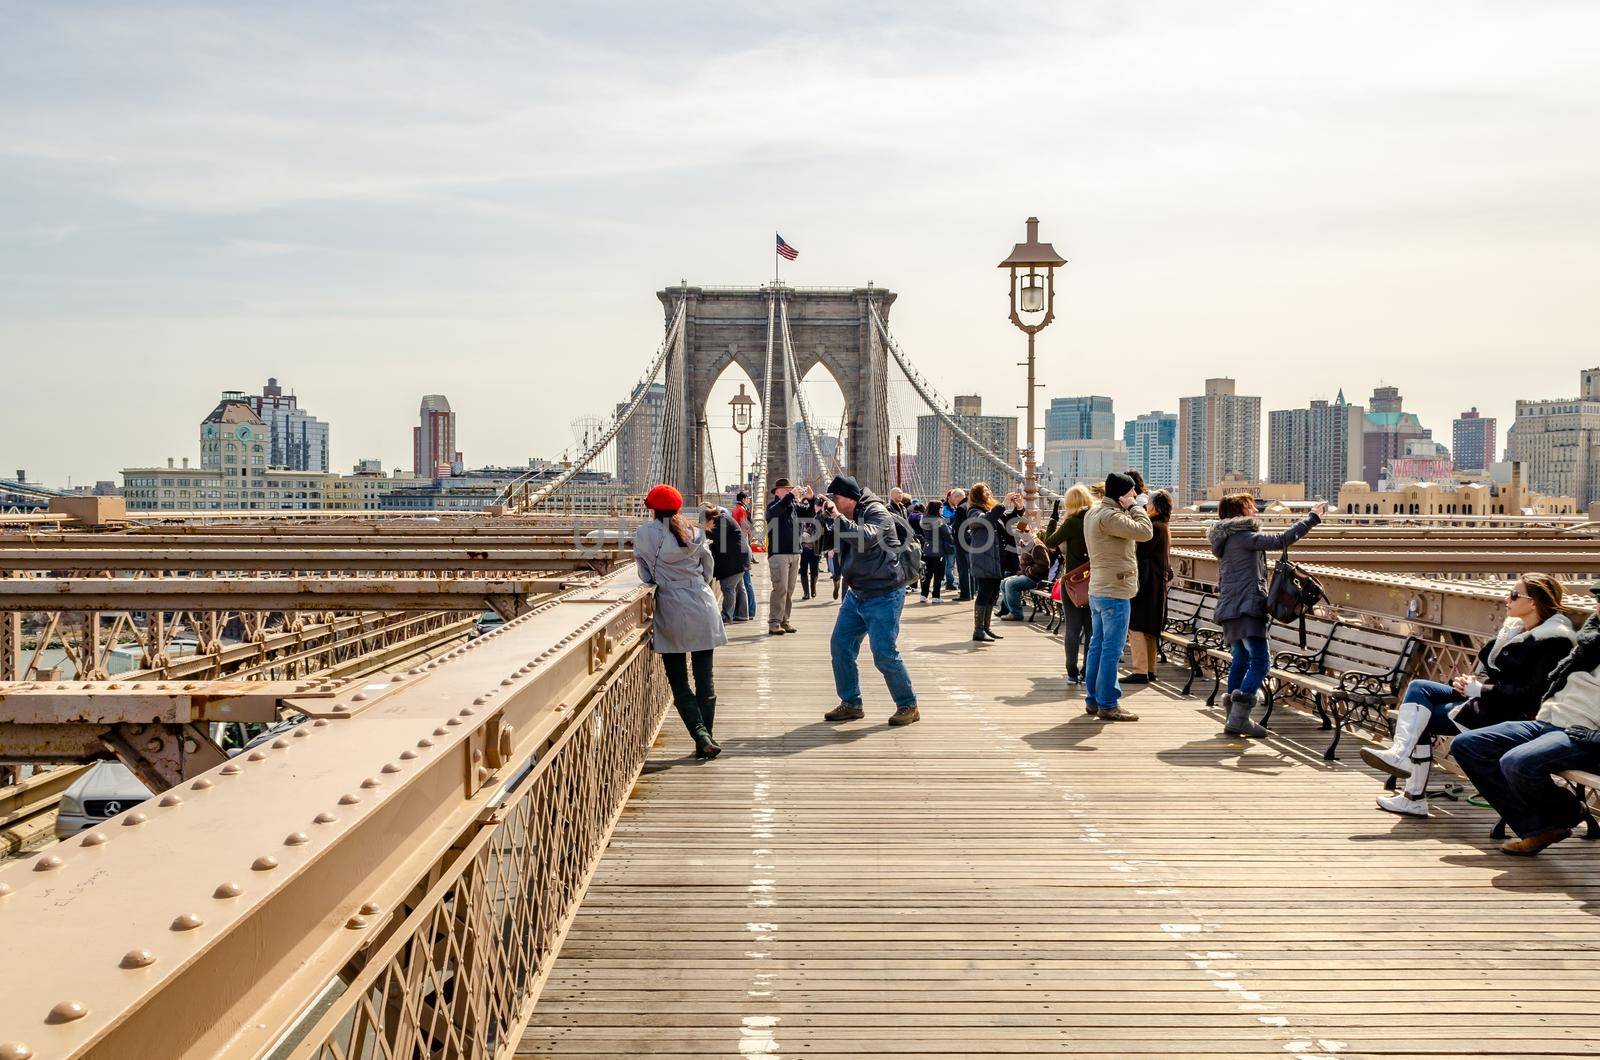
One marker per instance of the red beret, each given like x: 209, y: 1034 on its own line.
x: 663, y: 498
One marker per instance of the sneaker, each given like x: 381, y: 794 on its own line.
x: 1117, y: 714
x: 905, y: 715
x: 1403, y: 805
x: 845, y: 712
x: 776, y: 631
x: 924, y: 597
x: 1136, y: 679
x: 1009, y: 617
x: 1074, y: 679
x: 788, y: 628
x: 1531, y: 845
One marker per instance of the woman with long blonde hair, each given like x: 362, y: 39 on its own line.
x: 1065, y: 533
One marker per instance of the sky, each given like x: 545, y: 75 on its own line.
x: 374, y: 201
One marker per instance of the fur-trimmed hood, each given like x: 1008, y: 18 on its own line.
x: 1219, y: 532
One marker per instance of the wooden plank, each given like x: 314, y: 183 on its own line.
x: 1012, y: 877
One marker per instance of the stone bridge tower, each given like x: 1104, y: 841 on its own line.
x: 729, y: 324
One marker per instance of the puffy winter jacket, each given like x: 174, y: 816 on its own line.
x: 1241, y: 550
x: 869, y: 548
x: 1514, y: 680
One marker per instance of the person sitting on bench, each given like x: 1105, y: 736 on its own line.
x: 1512, y: 673
x: 1511, y: 763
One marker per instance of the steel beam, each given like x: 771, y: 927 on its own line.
x: 272, y: 594
x: 301, y: 559
x: 207, y: 922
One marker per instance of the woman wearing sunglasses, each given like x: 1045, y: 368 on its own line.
x: 1512, y: 672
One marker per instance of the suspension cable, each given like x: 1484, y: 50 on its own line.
x: 793, y: 369
x: 758, y: 502
x: 508, y: 496
x: 934, y: 402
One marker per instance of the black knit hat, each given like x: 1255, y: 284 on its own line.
x: 845, y: 486
x: 1118, y: 485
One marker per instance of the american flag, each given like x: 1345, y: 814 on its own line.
x: 786, y: 250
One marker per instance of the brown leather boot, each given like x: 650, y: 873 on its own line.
x: 1528, y: 846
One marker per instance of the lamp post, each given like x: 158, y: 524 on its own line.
x: 742, y: 403
x: 1033, y: 306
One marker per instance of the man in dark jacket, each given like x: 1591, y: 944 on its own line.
x: 962, y: 512
x: 868, y: 544
x: 783, y: 552
x: 726, y: 542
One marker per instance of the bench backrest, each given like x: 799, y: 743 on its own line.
x: 1286, y: 637
x: 1388, y: 655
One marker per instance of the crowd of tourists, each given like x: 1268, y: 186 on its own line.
x: 1530, y: 708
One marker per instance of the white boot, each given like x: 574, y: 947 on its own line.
x: 1412, y: 801
x: 1408, y: 727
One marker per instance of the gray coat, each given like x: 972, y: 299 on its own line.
x: 687, y: 618
x: 1241, y: 550
x: 869, y: 548
x: 984, y: 543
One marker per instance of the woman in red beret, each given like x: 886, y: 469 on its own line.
x: 673, y: 556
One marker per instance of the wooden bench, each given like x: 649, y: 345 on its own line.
x: 1282, y: 641
x: 1041, y: 601
x: 1356, y: 678
x: 1188, y: 614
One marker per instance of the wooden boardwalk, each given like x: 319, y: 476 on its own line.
x: 1010, y: 876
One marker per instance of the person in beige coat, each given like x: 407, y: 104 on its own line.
x: 1111, y: 531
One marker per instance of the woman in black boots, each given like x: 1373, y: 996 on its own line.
x: 673, y: 556
x: 985, y: 535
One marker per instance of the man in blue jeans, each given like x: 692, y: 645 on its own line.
x: 868, y: 545
x: 1511, y: 763
x: 1110, y: 531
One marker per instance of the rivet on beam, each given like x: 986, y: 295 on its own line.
x: 438, y: 732
x: 407, y: 755
x: 230, y: 769
x: 170, y: 800
x: 227, y: 889
x: 186, y: 922
x: 356, y: 922
x: 424, y: 742
x: 15, y: 1051
x: 371, y: 782
x: 48, y: 862
x: 319, y: 723
x: 137, y: 959
x: 295, y: 839
x: 389, y: 767
x: 370, y: 909
x: 94, y: 839
x: 324, y: 818
x: 134, y: 818
x: 265, y: 863
x: 66, y: 1012
x: 280, y: 743
x: 202, y: 784
x: 255, y: 756
x: 349, y: 800
x: 302, y: 731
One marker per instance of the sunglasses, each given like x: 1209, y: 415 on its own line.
x: 1516, y: 595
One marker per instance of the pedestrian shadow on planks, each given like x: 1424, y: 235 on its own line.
x: 813, y: 736
x: 1231, y: 753
x: 1568, y: 868
x: 1070, y: 735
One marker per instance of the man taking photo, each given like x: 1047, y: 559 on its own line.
x: 869, y: 546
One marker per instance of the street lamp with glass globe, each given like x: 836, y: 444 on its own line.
x: 742, y: 405
x: 1033, y: 306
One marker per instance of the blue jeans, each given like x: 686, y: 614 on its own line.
x: 1013, y: 588
x: 1110, y: 636
x: 749, y: 594
x: 1440, y: 699
x: 878, y: 619
x: 949, y: 562
x: 1510, y: 765
x: 1252, y: 658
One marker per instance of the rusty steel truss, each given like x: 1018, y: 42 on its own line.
x: 201, y: 925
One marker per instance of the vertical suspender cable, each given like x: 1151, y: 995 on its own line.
x: 793, y: 370
x: 758, y: 502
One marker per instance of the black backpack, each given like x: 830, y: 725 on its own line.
x: 909, y: 557
x: 1292, y: 593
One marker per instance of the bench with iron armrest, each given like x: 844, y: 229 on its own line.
x: 1584, y: 783
x: 1041, y: 601
x: 1355, y: 678
x: 1282, y: 640
x: 1189, y: 612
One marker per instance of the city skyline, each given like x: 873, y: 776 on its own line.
x: 1365, y: 194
